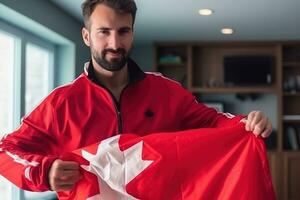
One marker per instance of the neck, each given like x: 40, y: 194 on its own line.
x: 115, y: 81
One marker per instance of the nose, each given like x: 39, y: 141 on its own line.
x: 114, y: 41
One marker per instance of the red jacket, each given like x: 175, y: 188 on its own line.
x: 84, y: 112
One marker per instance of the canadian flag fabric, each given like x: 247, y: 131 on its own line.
x: 210, y: 163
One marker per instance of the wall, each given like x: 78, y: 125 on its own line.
x: 143, y: 54
x: 243, y: 105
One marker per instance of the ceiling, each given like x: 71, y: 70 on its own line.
x: 178, y: 20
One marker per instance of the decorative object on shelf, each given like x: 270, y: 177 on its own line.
x: 291, y: 83
x: 213, y: 83
x: 170, y: 59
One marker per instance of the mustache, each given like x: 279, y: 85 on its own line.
x: 119, y: 50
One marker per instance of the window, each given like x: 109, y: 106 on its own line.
x: 37, y: 78
x: 26, y: 77
x: 7, y: 55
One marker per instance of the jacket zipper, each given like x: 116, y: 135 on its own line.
x: 117, y: 106
x: 118, y: 111
x: 120, y: 125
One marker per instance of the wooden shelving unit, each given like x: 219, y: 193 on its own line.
x: 199, y: 67
x: 291, y: 118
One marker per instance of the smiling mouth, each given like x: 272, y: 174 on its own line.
x: 114, y: 55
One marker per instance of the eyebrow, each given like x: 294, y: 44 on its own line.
x: 126, y: 28
x: 104, y: 29
x: 107, y: 29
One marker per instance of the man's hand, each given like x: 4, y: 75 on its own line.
x: 258, y: 123
x: 63, y: 175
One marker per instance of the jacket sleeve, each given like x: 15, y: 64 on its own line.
x: 27, y: 154
x: 198, y: 115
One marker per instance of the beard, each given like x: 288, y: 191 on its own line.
x: 115, y: 64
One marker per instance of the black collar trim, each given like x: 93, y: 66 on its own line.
x: 134, y: 71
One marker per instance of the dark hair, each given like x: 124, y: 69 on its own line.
x: 121, y: 6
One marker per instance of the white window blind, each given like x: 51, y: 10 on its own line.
x: 7, y: 58
x: 38, y: 73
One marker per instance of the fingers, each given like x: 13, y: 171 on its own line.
x: 68, y: 177
x: 258, y: 123
x: 68, y: 173
x: 63, y: 175
x: 267, y: 132
x: 62, y: 187
x: 68, y: 165
x: 244, y: 120
x: 250, y: 118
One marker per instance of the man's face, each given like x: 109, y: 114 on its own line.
x: 109, y: 37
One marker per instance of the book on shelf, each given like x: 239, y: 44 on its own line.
x: 298, y: 134
x: 292, y: 136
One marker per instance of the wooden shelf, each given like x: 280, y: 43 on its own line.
x: 291, y: 152
x: 291, y: 64
x: 292, y: 121
x: 234, y: 90
x: 291, y: 118
x: 292, y: 94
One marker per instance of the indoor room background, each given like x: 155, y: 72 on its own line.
x: 41, y: 48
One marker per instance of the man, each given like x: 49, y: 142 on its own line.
x: 112, y: 96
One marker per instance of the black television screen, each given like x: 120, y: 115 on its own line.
x: 248, y: 70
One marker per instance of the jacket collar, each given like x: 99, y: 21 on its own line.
x: 134, y: 72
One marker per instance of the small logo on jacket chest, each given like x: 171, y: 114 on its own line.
x: 149, y: 113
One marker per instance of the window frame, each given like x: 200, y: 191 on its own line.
x: 22, y: 38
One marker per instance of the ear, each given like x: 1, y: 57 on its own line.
x: 86, y: 36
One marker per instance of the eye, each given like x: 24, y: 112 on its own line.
x: 103, y: 32
x: 124, y: 31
